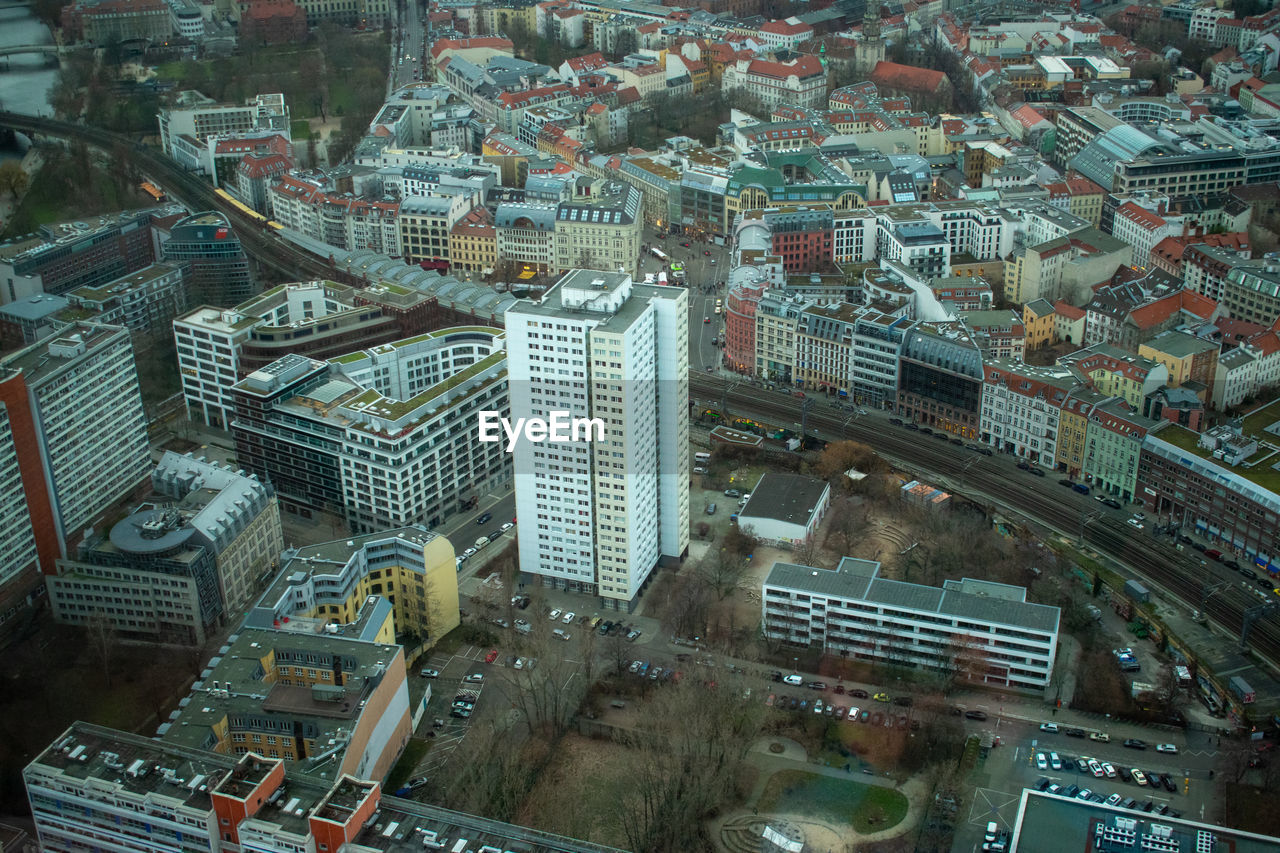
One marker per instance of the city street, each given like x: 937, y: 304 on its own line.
x: 706, y: 265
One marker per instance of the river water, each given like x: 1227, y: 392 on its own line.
x: 25, y: 82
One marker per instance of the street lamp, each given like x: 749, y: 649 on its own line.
x: 1085, y: 518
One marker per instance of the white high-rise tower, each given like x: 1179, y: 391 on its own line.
x: 598, y: 516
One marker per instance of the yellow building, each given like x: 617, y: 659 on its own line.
x: 344, y: 583
x: 473, y: 243
x: 1117, y: 373
x: 1037, y: 323
x: 1073, y: 425
x: 1188, y: 357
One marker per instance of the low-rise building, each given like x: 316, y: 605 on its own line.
x: 978, y: 631
x: 785, y: 509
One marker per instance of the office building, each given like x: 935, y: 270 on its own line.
x: 940, y: 378
x: 217, y: 269
x: 152, y: 578
x: 218, y: 347
x: 198, y: 118
x: 114, y: 21
x: 312, y: 699
x: 76, y: 435
x: 980, y: 631
x: 597, y: 516
x: 385, y: 436
x: 28, y: 320
x: 233, y: 513
x: 61, y: 257
x: 145, y: 301
x: 377, y: 586
x: 88, y: 788
x: 1048, y: 823
x: 181, y: 560
x: 1202, y: 482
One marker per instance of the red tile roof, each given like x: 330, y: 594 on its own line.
x: 891, y: 75
x: 1140, y: 215
x: 1066, y: 309
x: 1154, y: 313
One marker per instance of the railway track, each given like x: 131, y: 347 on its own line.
x: 263, y: 245
x: 1038, y: 497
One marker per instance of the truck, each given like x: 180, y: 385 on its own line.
x: 1137, y: 591
x: 1242, y: 690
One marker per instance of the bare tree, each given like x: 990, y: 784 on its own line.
x: 545, y: 696
x: 101, y: 630
x: 680, y: 774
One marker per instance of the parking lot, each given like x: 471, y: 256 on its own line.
x: 1015, y: 764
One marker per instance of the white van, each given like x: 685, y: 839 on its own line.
x: 482, y: 542
x: 794, y: 680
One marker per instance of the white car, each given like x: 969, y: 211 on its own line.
x: 1049, y: 727
x: 1166, y: 747
x: 1109, y: 770
x: 519, y: 664
x: 1139, y: 776
x: 1096, y: 768
x: 470, y: 552
x: 555, y: 614
x: 852, y: 716
x: 1054, y: 761
x: 569, y: 617
x: 474, y: 678
x: 504, y: 528
x: 1042, y: 763
x: 1114, y: 800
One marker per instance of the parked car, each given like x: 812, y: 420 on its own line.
x: 1096, y: 768
x: 732, y: 493
x: 1073, y: 732
x: 1109, y: 769
x: 1125, y: 773
x: 491, y: 656
x: 429, y: 673
x: 554, y: 615
x: 1054, y: 761
x: 858, y: 693
x: 975, y: 715
x: 1112, y: 502
x: 1042, y: 763
x: 1066, y: 483
x: 1049, y: 727
x: 816, y: 685
x: 569, y: 617
x: 1139, y: 777
x: 475, y: 677
x: 895, y: 421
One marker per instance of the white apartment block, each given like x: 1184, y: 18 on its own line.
x: 208, y: 342
x: 777, y: 317
x: 1021, y: 406
x: 854, y: 237
x: 983, y: 632
x: 977, y: 229
x: 597, y: 516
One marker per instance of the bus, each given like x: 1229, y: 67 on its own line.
x: 660, y: 255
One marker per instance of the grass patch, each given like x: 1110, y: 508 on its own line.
x: 865, y: 808
x: 414, y: 751
x: 300, y: 129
